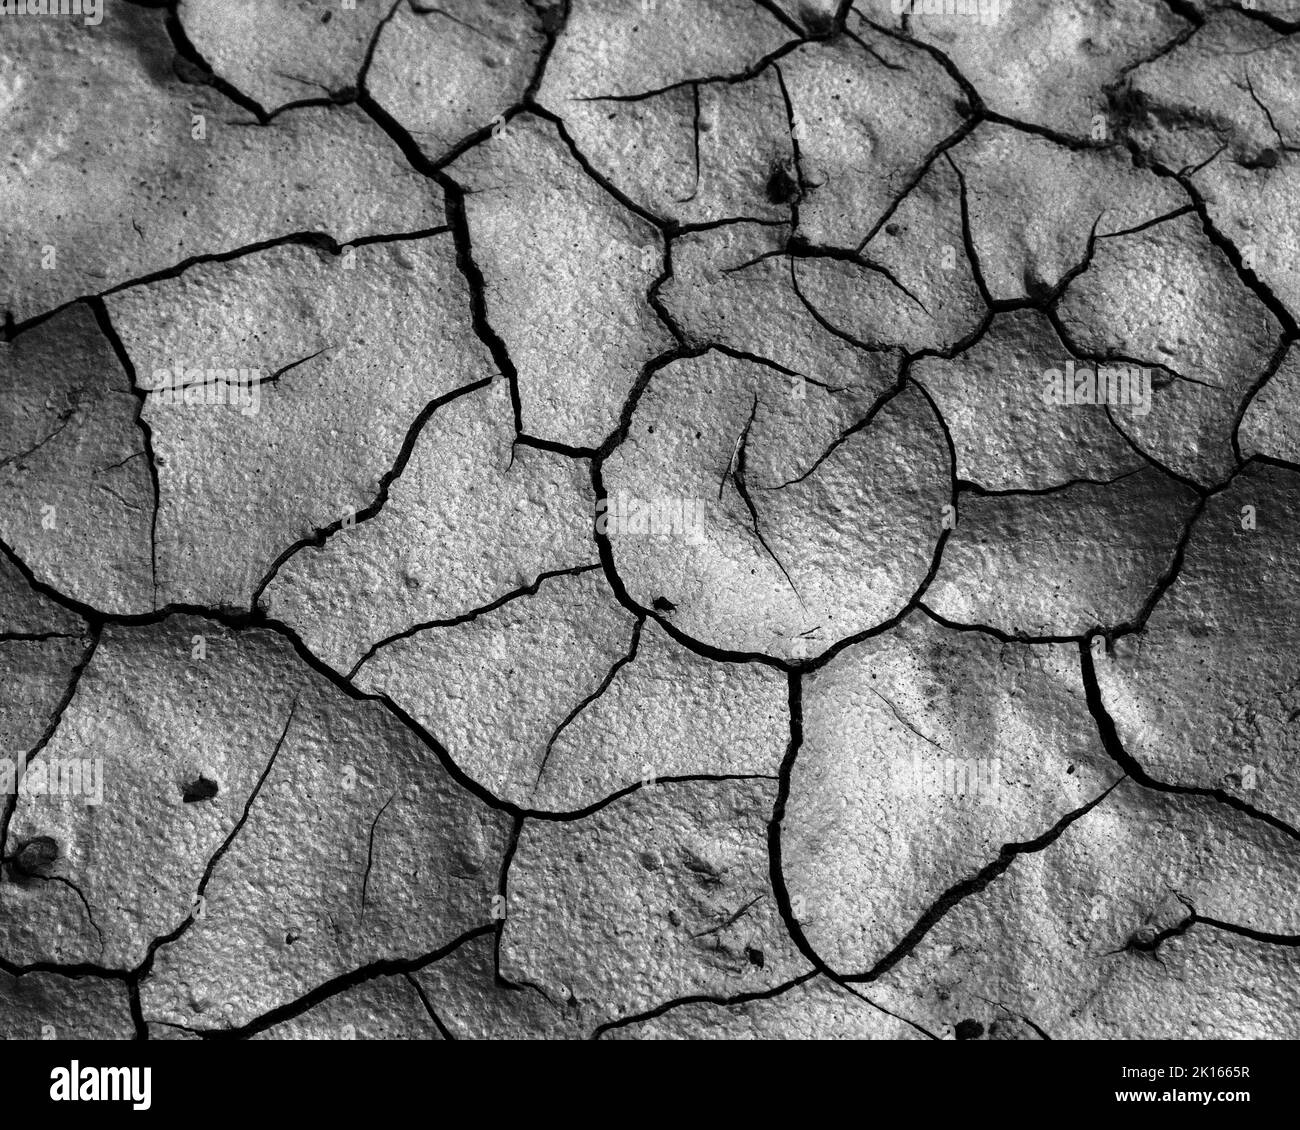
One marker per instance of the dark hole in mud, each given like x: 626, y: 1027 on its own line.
x: 782, y: 187
x: 1142, y: 940
x: 816, y: 21
x: 35, y: 856
x: 201, y: 788
x: 1265, y: 159
x: 1128, y: 108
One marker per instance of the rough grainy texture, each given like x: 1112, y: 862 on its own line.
x: 1005, y: 435
x: 556, y: 250
x: 472, y: 519
x: 385, y: 1008
x: 75, y: 476
x: 120, y: 163
x: 1132, y: 919
x: 1061, y: 562
x: 444, y: 71
x: 1033, y: 205
x: 1271, y: 426
x: 799, y: 537
x: 46, y: 1006
x: 1208, y: 693
x: 810, y: 1009
x: 361, y: 347
x: 281, y: 51
x: 671, y: 880
x: 650, y: 519
x: 923, y: 756
x: 1167, y: 296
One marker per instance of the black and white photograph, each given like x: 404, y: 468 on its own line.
x: 669, y: 521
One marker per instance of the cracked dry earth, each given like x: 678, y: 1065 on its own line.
x: 535, y: 519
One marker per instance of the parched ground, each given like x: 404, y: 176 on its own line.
x: 650, y: 519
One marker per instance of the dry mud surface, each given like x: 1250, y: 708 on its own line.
x: 668, y: 519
